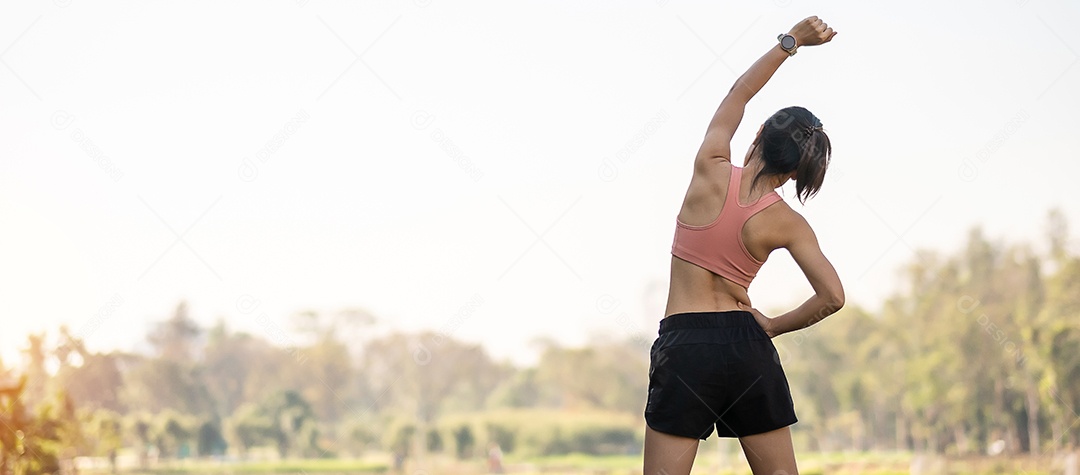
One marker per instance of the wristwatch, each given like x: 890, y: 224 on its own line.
x: 787, y: 43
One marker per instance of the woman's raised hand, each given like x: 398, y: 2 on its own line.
x: 812, y: 31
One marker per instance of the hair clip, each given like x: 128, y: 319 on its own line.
x: 810, y: 130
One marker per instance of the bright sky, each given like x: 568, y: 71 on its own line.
x: 499, y: 171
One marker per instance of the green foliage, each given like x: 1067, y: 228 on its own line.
x: 502, y: 434
x: 285, y: 420
x: 138, y: 427
x: 172, y: 433
x: 293, y: 426
x: 209, y: 440
x: 360, y: 436
x: 520, y: 390
x: 589, y: 435
x: 249, y: 426
x: 401, y: 439
x: 464, y: 441
x: 30, y: 442
x: 542, y: 432
x: 603, y: 375
x: 434, y: 442
x: 104, y: 432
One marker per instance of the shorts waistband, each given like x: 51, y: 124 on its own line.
x: 724, y: 319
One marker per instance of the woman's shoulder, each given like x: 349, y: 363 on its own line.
x: 782, y: 213
x: 782, y: 219
x: 711, y: 177
x: 711, y: 166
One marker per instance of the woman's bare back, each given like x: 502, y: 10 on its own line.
x: 696, y: 289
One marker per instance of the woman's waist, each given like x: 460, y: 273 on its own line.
x: 704, y: 299
x: 708, y: 319
x: 694, y: 288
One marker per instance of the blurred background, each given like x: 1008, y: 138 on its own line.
x: 434, y: 237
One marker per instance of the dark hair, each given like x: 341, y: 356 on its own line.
x: 792, y: 141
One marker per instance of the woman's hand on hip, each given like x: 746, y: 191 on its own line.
x: 764, y: 322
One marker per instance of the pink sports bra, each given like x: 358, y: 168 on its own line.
x: 718, y: 246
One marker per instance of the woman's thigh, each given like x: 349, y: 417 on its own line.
x: 667, y: 454
x: 770, y: 453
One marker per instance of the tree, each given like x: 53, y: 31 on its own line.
x: 209, y: 440
x: 606, y: 374
x: 464, y: 441
x: 238, y: 368
x: 519, y: 390
x: 175, y: 339
x: 248, y: 427
x: 139, y: 426
x: 361, y: 435
x: 434, y: 442
x: 1062, y: 350
x: 37, y: 376
x: 105, y: 431
x: 422, y: 374
x: 293, y: 422
x: 95, y: 384
x: 159, y: 384
x: 172, y: 433
x: 30, y: 442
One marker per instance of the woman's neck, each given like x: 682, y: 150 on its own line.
x: 753, y: 167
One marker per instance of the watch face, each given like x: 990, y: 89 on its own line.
x: 787, y: 42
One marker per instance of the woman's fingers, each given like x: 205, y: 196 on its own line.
x: 813, y: 31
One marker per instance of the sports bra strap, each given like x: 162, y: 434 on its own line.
x: 735, y: 182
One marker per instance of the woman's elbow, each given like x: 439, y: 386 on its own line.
x: 835, y: 300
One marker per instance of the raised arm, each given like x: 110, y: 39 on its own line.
x: 717, y: 144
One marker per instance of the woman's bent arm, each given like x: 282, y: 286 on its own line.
x: 828, y: 291
x: 813, y: 310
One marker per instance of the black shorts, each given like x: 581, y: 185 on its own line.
x: 716, y: 369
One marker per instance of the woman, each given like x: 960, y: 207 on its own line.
x: 713, y: 365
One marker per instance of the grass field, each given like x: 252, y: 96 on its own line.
x: 711, y: 462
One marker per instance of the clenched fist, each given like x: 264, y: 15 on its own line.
x: 812, y: 31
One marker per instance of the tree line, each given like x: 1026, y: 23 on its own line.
x: 978, y: 351
x: 212, y: 391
